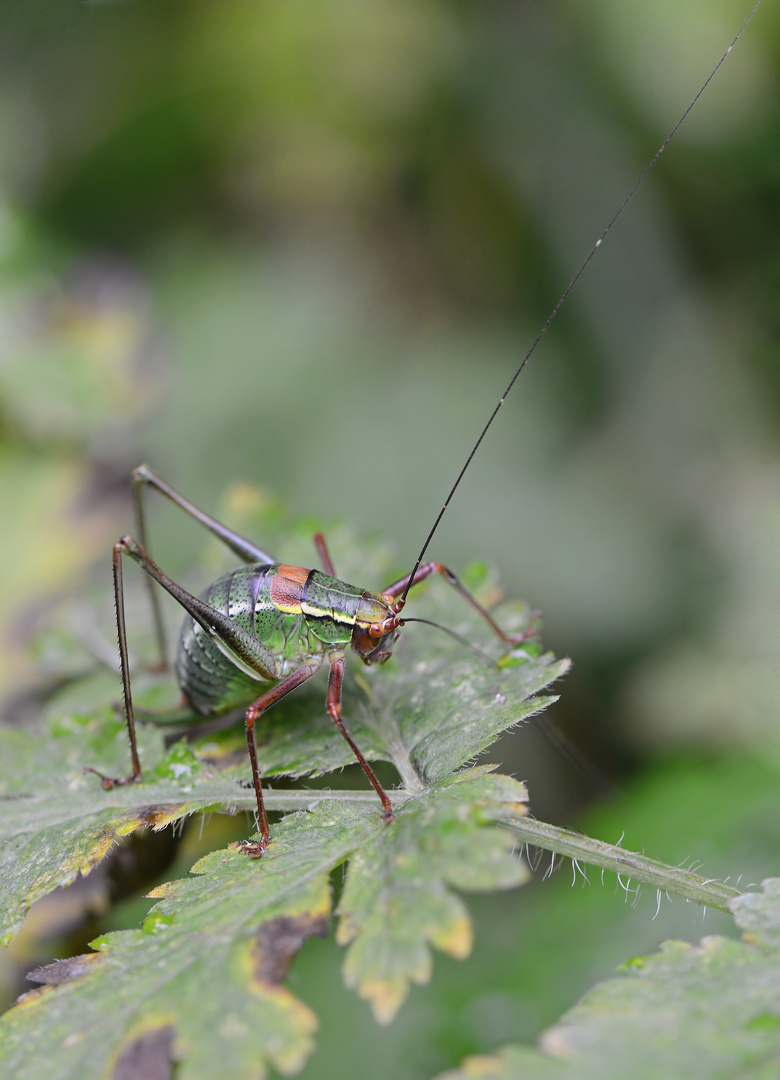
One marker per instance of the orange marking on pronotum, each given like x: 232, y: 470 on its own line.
x: 287, y: 586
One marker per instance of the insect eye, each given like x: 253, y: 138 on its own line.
x: 376, y: 630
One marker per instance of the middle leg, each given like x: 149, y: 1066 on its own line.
x: 253, y: 714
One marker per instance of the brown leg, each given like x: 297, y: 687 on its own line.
x: 429, y: 568
x: 253, y: 713
x: 324, y: 554
x: 334, y: 708
x: 119, y: 597
x: 217, y: 625
x: 244, y: 548
x: 249, y: 552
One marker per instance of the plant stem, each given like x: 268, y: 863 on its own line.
x: 625, y: 864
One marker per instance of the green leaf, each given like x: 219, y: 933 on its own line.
x: 397, y: 898
x: 510, y: 1063
x: 694, y: 1011
x: 202, y: 979
x: 428, y: 712
x: 207, y: 967
x: 758, y: 913
x: 57, y: 822
x: 201, y: 983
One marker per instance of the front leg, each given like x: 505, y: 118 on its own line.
x: 335, y: 680
x: 333, y: 704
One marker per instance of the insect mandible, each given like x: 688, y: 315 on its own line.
x: 262, y: 630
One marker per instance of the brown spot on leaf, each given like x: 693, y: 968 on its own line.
x: 278, y: 941
x: 150, y: 816
x: 63, y: 971
x: 147, y: 1057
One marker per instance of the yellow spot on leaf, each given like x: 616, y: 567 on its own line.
x: 456, y: 938
x: 160, y: 892
x: 385, y: 997
x: 131, y: 825
x: 482, y: 1066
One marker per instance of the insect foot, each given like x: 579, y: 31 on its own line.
x: 110, y: 782
x: 254, y: 851
x: 530, y: 631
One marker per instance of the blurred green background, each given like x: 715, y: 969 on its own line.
x: 304, y: 245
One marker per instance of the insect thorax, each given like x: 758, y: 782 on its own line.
x: 289, y: 614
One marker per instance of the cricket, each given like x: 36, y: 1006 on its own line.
x: 264, y: 629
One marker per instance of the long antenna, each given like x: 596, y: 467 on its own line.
x: 565, y: 294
